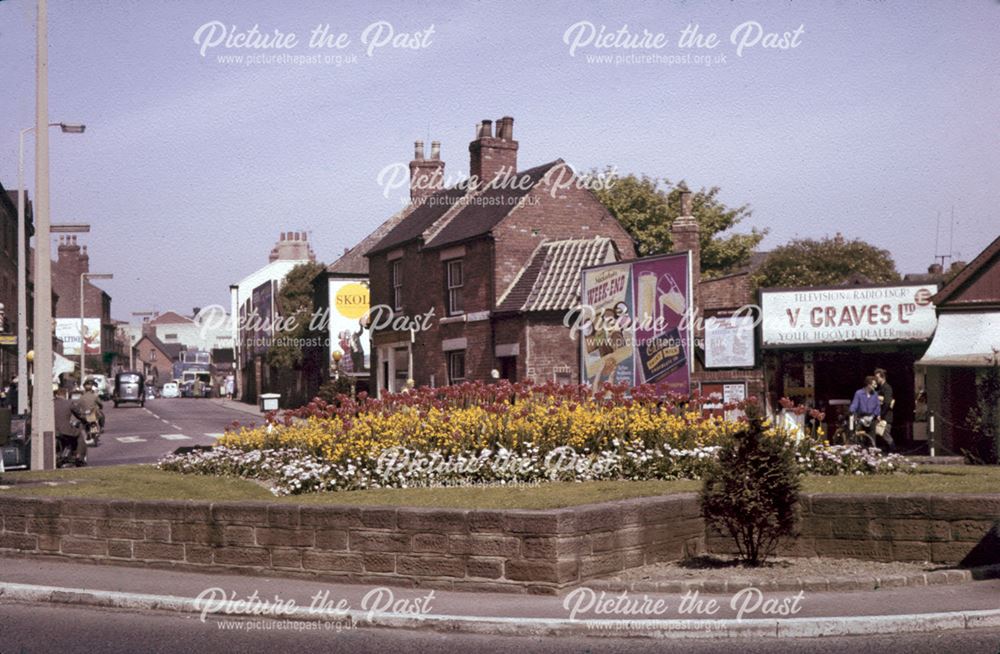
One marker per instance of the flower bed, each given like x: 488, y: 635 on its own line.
x: 503, y: 434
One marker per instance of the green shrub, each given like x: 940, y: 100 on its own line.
x: 751, y: 492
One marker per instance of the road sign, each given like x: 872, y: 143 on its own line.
x: 8, y: 339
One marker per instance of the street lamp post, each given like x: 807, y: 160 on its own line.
x: 83, y: 345
x: 22, y: 267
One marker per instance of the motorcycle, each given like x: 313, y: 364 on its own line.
x: 66, y: 450
x: 93, y: 428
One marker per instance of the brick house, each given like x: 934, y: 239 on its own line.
x: 489, y: 267
x: 155, y: 359
x: 72, y: 261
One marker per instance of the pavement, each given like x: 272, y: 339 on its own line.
x: 581, y: 611
x: 236, y: 405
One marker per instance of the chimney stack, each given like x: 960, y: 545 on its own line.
x: 686, y: 235
x: 426, y: 175
x: 492, y: 156
x: 935, y: 269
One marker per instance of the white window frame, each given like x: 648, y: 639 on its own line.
x: 453, y: 356
x: 455, y: 288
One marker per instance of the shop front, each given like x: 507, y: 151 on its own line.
x: 819, y: 344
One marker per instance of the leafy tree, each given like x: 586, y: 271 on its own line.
x: 825, y: 262
x: 294, y: 299
x: 984, y: 417
x: 647, y: 207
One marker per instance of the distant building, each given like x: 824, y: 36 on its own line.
x: 155, y: 359
x: 253, y: 306
x: 8, y: 282
x: 99, y: 336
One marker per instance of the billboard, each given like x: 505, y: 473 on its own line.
x: 856, y: 313
x: 349, y: 302
x: 635, y: 319
x: 68, y: 331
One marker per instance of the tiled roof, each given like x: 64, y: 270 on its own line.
x: 169, y: 318
x: 420, y: 219
x: 483, y: 211
x: 551, y: 279
x: 970, y: 271
x: 171, y: 350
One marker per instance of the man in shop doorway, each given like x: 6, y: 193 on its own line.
x: 865, y: 407
x: 886, y: 403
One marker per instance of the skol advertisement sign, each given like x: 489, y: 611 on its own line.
x: 635, y: 319
x: 349, y: 302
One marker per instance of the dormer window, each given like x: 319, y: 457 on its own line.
x: 456, y: 279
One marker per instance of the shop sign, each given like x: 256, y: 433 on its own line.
x: 843, y: 315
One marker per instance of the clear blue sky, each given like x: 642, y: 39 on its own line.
x: 884, y: 115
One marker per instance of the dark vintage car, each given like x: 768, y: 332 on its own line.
x: 129, y: 387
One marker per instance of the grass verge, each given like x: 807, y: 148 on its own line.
x: 147, y: 483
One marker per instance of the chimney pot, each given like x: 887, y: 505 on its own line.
x: 418, y: 150
x: 435, y: 150
x: 935, y: 269
x: 505, y: 128
x: 486, y: 129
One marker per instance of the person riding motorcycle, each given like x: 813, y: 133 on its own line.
x: 68, y: 428
x: 87, y: 408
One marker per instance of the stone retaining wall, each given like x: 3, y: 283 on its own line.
x: 948, y: 529
x: 515, y: 550
x: 519, y: 551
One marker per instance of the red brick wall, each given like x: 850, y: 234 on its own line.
x: 549, y: 348
x: 572, y: 213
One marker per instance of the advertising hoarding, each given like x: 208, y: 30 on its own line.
x: 636, y: 324
x: 349, y: 302
x: 68, y: 331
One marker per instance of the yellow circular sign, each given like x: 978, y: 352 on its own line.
x: 352, y: 300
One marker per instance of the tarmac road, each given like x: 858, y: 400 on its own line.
x: 133, y: 434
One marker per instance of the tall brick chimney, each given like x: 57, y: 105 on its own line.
x: 426, y: 175
x: 686, y: 235
x: 489, y: 155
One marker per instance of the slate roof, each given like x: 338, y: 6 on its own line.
x: 550, y: 281
x: 968, y: 273
x: 458, y: 215
x: 485, y: 210
x: 421, y: 218
x: 171, y: 350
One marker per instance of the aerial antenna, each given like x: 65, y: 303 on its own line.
x: 937, y: 239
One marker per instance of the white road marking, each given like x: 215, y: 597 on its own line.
x: 175, y: 437
x: 214, y: 435
x: 175, y: 426
x: 165, y: 421
x: 130, y: 439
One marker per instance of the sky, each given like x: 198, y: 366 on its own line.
x: 876, y: 119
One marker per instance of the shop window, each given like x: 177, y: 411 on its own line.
x: 455, y: 281
x: 456, y: 367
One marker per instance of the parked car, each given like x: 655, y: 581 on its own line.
x: 103, y: 386
x: 170, y: 389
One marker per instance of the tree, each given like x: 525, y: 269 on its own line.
x: 825, y: 262
x: 647, y: 207
x: 294, y: 299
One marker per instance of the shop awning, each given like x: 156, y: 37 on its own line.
x: 61, y: 364
x: 964, y: 340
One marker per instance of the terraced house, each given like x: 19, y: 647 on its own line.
x: 478, y: 278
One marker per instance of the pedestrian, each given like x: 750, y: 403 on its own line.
x: 886, y: 403
x: 230, y: 387
x: 865, y: 407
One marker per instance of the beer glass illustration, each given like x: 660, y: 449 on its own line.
x: 672, y: 299
x: 647, y: 300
